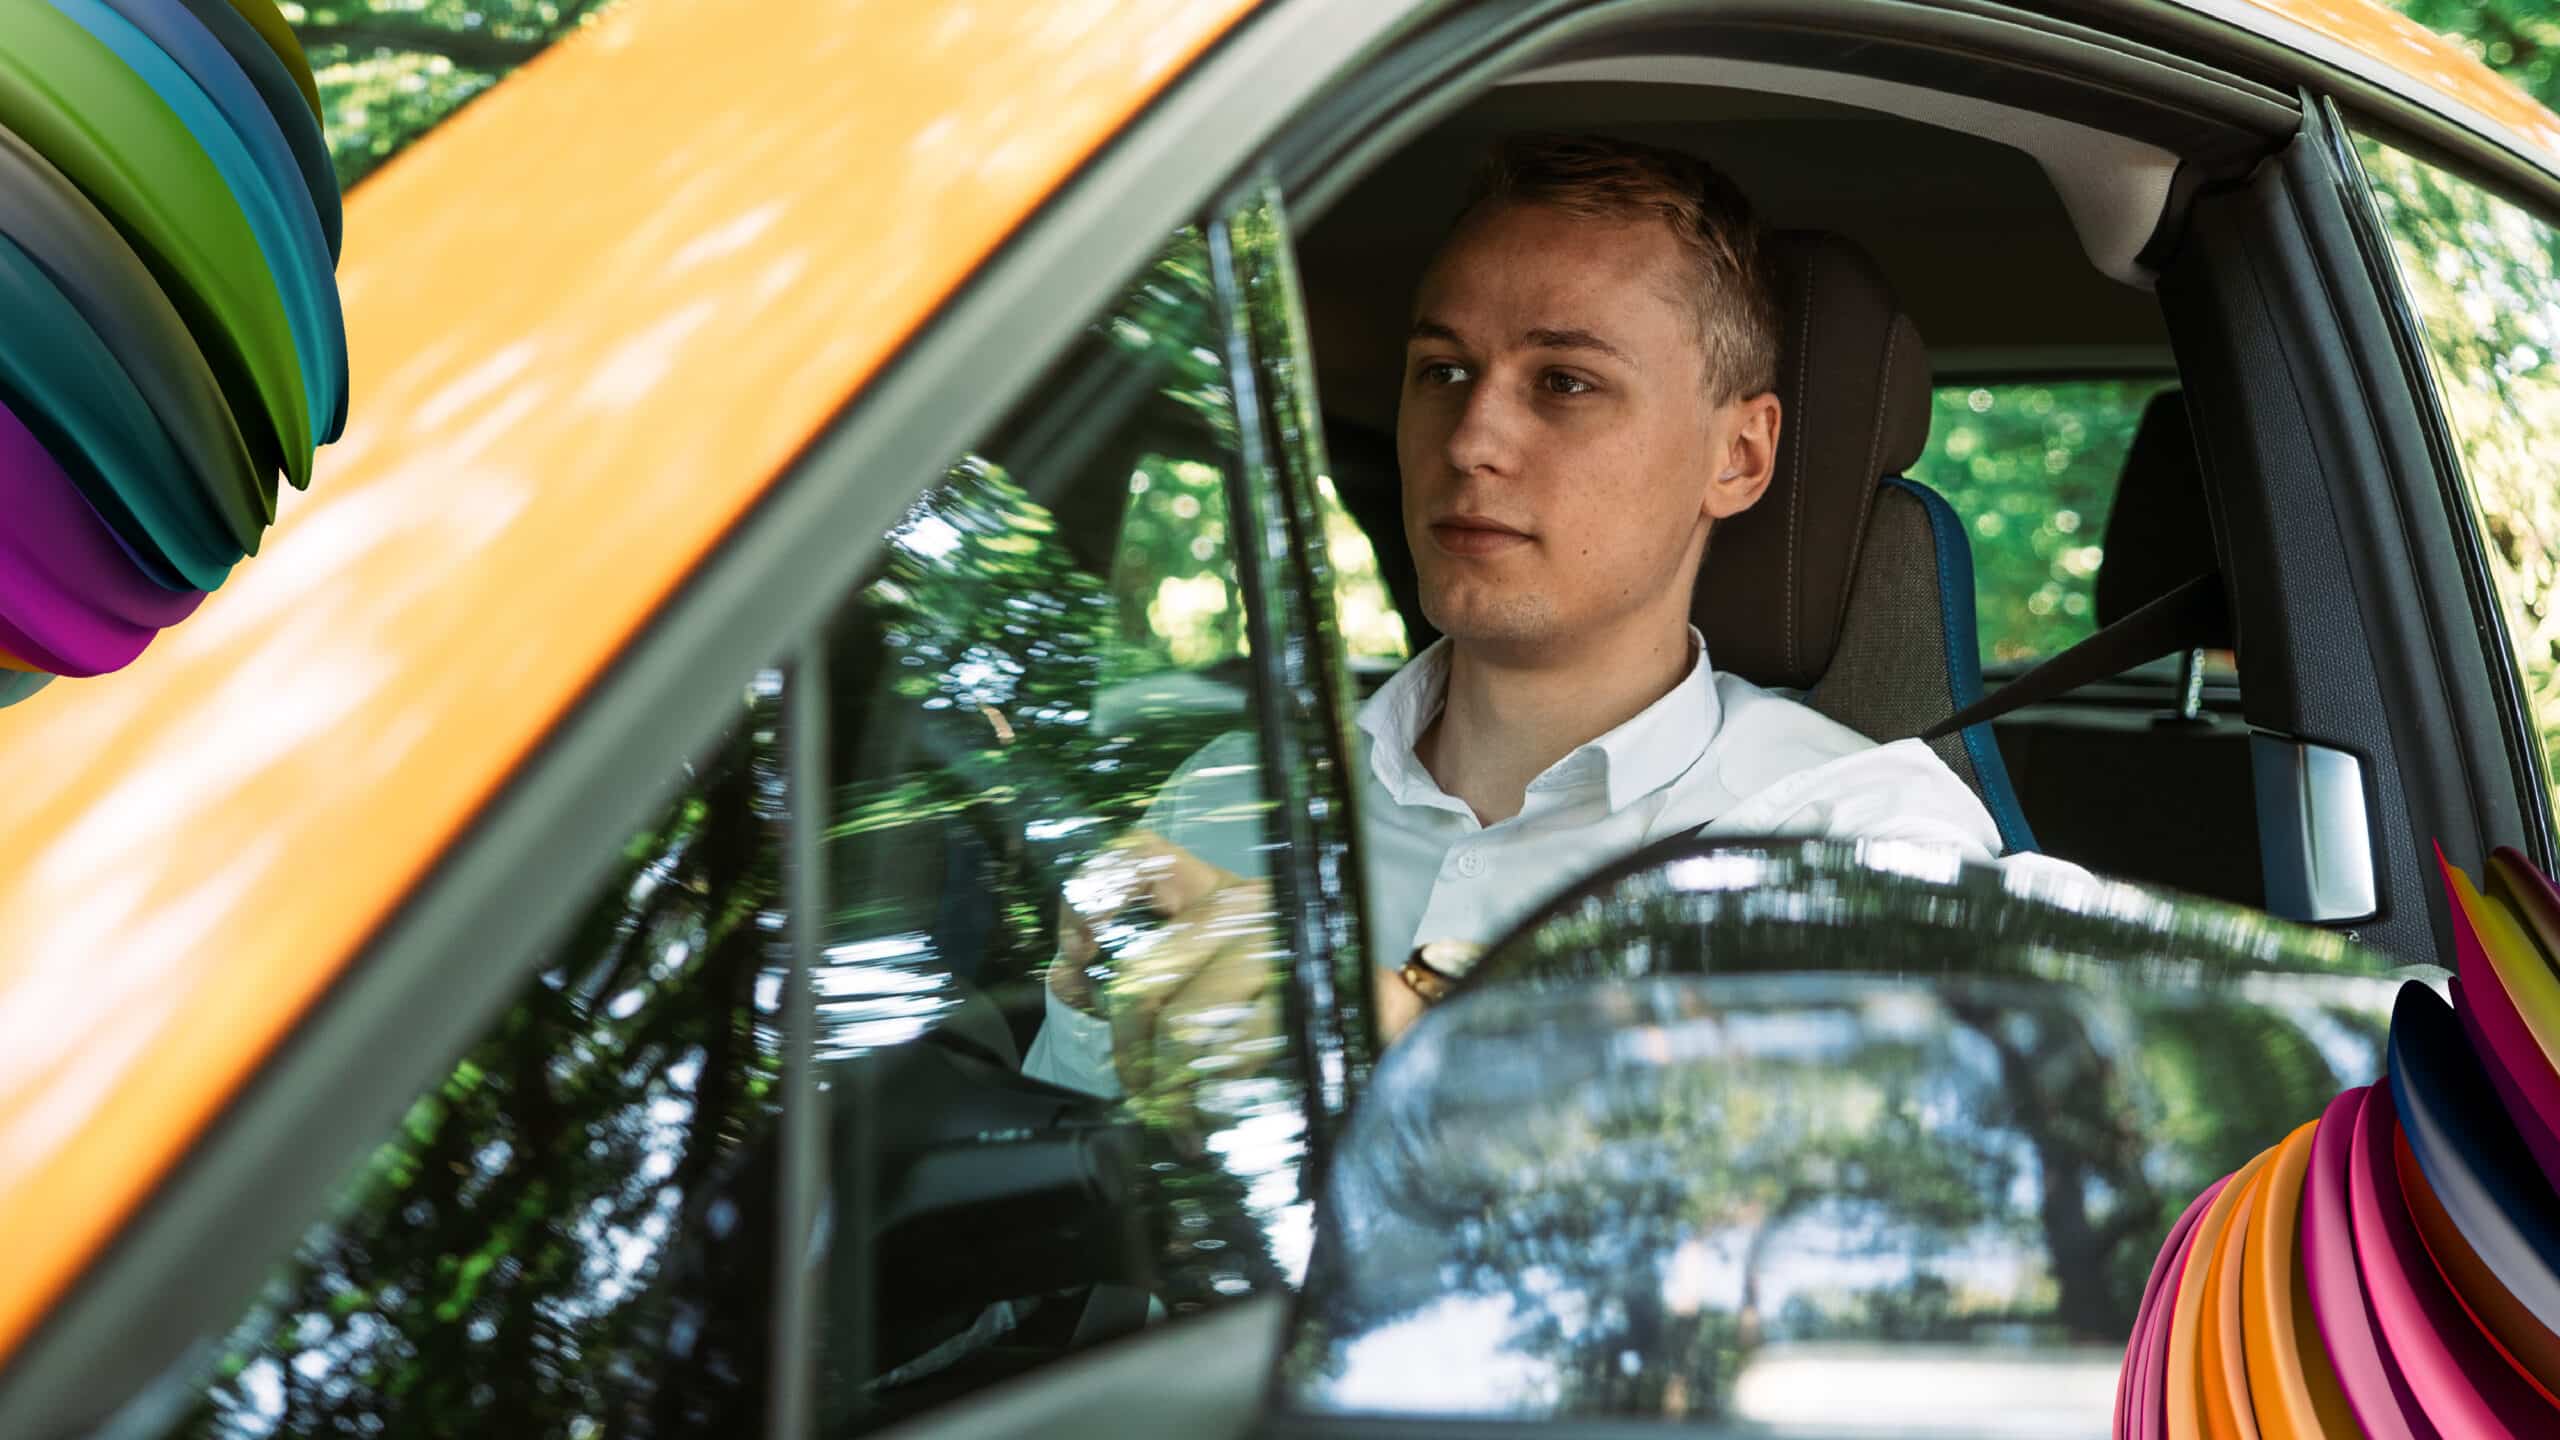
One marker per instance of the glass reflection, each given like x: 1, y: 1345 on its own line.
x: 1789, y: 1139
x: 573, y: 1229
x: 2483, y: 276
x: 1060, y: 1095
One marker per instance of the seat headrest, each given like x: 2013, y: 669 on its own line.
x: 2159, y: 532
x: 1853, y: 392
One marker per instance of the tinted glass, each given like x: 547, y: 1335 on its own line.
x: 2031, y: 468
x: 1061, y: 1098
x: 2483, y: 275
x: 565, y: 1236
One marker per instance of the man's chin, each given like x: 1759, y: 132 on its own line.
x: 1503, y: 621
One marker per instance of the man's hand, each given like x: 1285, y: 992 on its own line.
x: 1194, y: 959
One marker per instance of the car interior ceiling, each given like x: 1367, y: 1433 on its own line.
x: 1994, y: 264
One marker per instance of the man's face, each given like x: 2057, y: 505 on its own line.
x: 1561, y: 452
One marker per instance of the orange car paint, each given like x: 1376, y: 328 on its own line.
x: 2395, y: 41
x: 592, y: 316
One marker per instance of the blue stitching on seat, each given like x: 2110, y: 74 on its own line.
x: 1964, y: 658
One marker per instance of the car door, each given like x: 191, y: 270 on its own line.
x: 765, y: 1137
x: 588, y: 1079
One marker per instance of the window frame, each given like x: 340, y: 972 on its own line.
x: 195, y: 1253
x: 2461, y: 503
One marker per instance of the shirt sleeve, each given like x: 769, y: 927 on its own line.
x: 1073, y: 1049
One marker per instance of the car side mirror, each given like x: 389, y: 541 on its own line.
x: 1808, y: 1137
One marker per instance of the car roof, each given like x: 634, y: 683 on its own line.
x: 591, y: 317
x: 575, y: 365
x: 2367, y: 38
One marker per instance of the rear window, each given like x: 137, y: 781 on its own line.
x: 2031, y: 467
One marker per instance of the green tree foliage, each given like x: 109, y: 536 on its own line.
x: 2031, y: 468
x: 2484, y: 277
x: 389, y: 70
x: 2518, y: 38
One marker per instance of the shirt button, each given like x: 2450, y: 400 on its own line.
x: 1471, y: 864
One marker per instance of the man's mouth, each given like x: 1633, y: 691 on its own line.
x: 1475, y: 535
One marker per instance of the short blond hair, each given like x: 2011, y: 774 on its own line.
x: 1598, y: 178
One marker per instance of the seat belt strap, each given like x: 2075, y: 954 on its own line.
x: 2163, y: 627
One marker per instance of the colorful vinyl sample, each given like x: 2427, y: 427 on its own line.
x: 170, y: 334
x: 2392, y: 1268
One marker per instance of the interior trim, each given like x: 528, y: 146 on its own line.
x: 1383, y: 110
x: 2115, y: 188
x: 198, y: 1248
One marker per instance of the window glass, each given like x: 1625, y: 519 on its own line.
x: 569, y: 1234
x: 391, y: 70
x: 2031, y: 468
x: 1372, y: 629
x: 1062, y: 1101
x: 2483, y: 276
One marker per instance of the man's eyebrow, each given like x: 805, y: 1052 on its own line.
x: 1576, y: 340
x: 1427, y: 328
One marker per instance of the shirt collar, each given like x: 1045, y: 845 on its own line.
x: 1642, y: 756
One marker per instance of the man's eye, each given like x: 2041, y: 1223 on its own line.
x: 1440, y: 372
x: 1558, y: 382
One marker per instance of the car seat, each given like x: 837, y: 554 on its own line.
x: 2167, y: 797
x: 1848, y: 584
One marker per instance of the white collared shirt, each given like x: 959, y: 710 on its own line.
x: 1717, y: 754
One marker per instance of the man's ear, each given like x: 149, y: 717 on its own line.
x: 1749, y: 458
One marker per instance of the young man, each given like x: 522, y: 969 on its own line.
x: 1588, y: 391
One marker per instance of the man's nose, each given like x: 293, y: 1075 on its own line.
x: 1487, y: 434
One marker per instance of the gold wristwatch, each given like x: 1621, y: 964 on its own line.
x: 1436, y: 966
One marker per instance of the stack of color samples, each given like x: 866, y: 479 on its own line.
x: 170, y: 336
x: 2392, y: 1268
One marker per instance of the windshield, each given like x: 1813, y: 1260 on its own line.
x: 1813, y: 1139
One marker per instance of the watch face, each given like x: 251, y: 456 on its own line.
x: 1423, y: 980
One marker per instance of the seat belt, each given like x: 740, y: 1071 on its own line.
x: 2163, y: 627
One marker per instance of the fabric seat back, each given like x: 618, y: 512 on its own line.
x: 1848, y: 584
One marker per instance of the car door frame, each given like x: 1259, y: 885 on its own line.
x: 194, y: 1253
